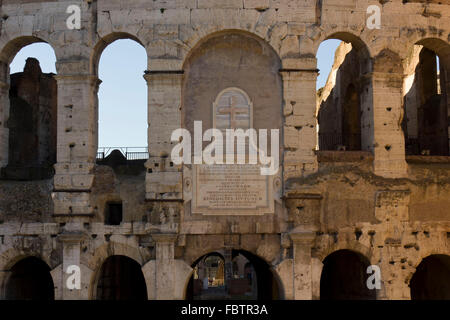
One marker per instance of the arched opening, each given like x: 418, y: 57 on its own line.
x: 121, y: 278
x: 30, y: 279
x: 431, y: 281
x: 31, y: 125
x: 232, y: 275
x: 426, y: 99
x: 121, y: 61
x: 344, y: 98
x: 344, y: 277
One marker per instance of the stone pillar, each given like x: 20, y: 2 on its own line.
x: 393, y: 278
x: 71, y: 243
x: 228, y: 268
x: 163, y: 179
x: 302, y: 269
x: 76, y: 144
x: 392, y: 210
x: 389, y: 141
x: 300, y: 129
x: 4, y: 116
x: 165, y: 276
x: 4, y: 276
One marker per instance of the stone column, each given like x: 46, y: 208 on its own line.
x: 76, y: 144
x: 71, y: 243
x: 302, y: 268
x: 389, y: 141
x: 228, y: 268
x: 392, y: 210
x: 300, y: 129
x: 4, y: 116
x: 393, y: 278
x: 4, y: 276
x: 165, y: 276
x: 163, y: 179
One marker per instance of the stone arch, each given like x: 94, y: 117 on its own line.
x: 278, y: 292
x: 423, y: 253
x: 24, y: 104
x: 113, y: 248
x: 209, y: 254
x: 439, y: 46
x: 102, y: 253
x: 426, y: 97
x: 27, y: 277
x: 13, y: 46
x: 12, y: 256
x: 353, y: 66
x: 203, y: 35
x: 103, y: 43
x: 233, y: 59
x: 272, y: 286
x: 99, y: 92
x: 347, y: 36
x: 432, y: 278
x: 344, y: 276
x: 352, y: 245
x: 120, y: 278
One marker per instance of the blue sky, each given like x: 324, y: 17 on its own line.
x: 325, y: 60
x: 123, y: 92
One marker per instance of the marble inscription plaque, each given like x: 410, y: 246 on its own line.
x: 231, y: 190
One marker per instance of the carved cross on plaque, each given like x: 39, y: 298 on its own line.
x: 233, y: 110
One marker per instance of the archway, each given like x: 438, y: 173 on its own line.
x: 30, y: 279
x: 231, y: 275
x: 344, y: 102
x: 120, y: 61
x: 240, y: 67
x: 426, y: 99
x: 431, y: 281
x: 121, y: 278
x: 344, y: 277
x: 30, y: 130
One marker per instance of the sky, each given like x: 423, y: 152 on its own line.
x: 325, y: 60
x: 123, y: 92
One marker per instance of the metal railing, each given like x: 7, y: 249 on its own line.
x: 329, y: 141
x: 428, y: 145
x: 130, y: 153
x: 335, y: 141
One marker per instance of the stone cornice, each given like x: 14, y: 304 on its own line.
x: 73, y: 237
x: 164, y: 237
x: 305, y: 237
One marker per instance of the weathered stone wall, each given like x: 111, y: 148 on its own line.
x: 391, y: 209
